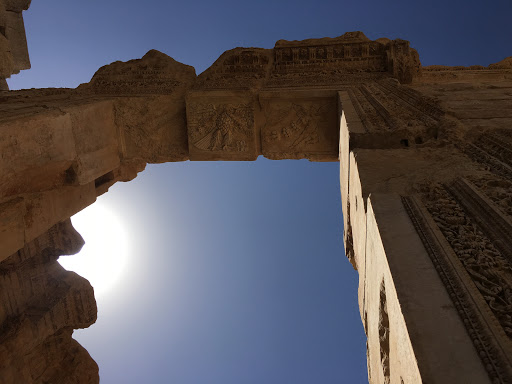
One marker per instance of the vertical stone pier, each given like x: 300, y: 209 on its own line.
x: 431, y: 250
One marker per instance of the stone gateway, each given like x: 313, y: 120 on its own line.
x: 425, y: 159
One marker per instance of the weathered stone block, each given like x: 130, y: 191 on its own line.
x: 41, y: 148
x: 237, y: 69
x: 41, y: 304
x: 222, y: 125
x: 43, y: 210
x: 15, y: 33
x: 12, y: 227
x: 155, y: 73
x: 300, y: 124
x: 153, y: 129
x: 96, y: 140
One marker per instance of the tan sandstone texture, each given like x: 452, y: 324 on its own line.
x: 13, y: 42
x: 425, y: 174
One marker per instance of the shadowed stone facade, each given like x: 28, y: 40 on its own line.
x: 425, y: 174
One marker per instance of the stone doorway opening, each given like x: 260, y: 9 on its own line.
x: 232, y: 264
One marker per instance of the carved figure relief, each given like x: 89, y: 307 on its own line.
x: 300, y: 127
x: 221, y: 128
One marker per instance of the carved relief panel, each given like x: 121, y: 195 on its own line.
x: 299, y: 125
x: 221, y: 126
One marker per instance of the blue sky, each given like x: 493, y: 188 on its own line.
x: 237, y: 272
x: 239, y: 277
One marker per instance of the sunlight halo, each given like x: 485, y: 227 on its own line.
x: 104, y: 256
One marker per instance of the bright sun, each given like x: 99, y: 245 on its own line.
x: 104, y: 255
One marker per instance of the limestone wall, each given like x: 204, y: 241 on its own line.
x: 415, y: 333
x: 429, y: 231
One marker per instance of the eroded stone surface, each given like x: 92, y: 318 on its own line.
x: 154, y: 73
x: 13, y: 42
x: 41, y: 305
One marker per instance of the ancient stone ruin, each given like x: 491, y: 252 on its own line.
x: 425, y: 172
x: 13, y: 43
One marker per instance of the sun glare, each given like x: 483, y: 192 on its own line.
x: 104, y: 255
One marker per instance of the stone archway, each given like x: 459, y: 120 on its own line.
x: 425, y: 190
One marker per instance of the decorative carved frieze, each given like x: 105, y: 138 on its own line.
x: 239, y: 68
x: 489, y: 269
x: 385, y: 115
x: 489, y: 219
x: 465, y: 272
x: 423, y: 105
x: 497, y: 188
x: 490, y: 162
x: 496, y: 145
x: 327, y: 61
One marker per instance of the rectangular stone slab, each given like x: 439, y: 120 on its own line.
x: 95, y: 139
x: 222, y: 125
x: 36, y: 152
x: 300, y: 124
